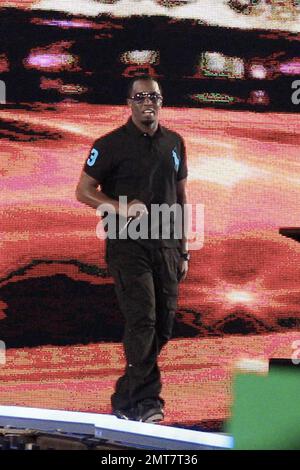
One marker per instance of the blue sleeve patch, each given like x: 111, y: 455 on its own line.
x: 176, y: 159
x: 93, y: 157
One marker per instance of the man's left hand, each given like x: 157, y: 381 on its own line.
x: 183, y: 269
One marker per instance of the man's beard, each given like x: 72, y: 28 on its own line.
x: 148, y: 122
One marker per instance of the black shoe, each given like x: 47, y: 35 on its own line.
x: 150, y: 411
x: 129, y: 414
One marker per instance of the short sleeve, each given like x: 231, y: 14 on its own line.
x: 182, y: 170
x: 99, y: 162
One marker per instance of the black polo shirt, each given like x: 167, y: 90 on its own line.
x: 129, y: 162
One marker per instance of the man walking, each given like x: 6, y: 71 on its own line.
x: 146, y: 162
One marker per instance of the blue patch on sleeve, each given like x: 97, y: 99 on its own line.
x: 93, y: 157
x: 176, y: 159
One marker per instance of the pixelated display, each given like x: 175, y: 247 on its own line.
x: 65, y: 67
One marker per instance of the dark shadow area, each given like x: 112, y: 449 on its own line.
x: 58, y: 310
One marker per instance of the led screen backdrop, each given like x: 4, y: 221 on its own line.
x: 228, y: 88
x: 248, y: 14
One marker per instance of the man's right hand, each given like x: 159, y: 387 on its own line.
x: 135, y: 209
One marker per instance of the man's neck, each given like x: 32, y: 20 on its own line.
x: 151, y: 129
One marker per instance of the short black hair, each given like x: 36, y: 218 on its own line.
x: 144, y: 77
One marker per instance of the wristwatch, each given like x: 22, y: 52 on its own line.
x: 186, y: 256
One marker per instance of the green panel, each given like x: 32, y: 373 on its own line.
x: 266, y: 410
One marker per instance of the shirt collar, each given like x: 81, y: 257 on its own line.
x: 135, y: 131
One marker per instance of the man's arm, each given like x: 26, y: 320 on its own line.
x: 182, y: 200
x: 89, y: 193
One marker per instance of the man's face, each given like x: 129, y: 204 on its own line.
x: 146, y: 111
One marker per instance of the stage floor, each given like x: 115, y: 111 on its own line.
x: 197, y: 376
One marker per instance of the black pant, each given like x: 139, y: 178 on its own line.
x: 146, y: 286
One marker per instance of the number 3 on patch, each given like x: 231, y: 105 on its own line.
x: 93, y: 157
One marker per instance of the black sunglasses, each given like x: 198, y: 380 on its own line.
x: 140, y: 97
